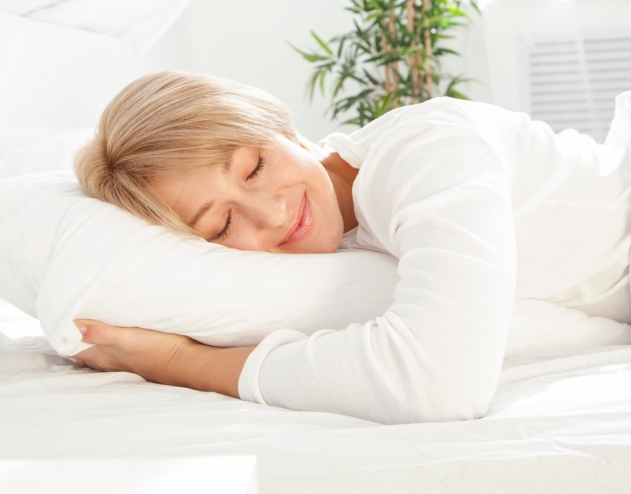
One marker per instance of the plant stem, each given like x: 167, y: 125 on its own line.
x: 413, y: 58
x: 428, y: 49
x: 395, y: 65
x: 388, y: 75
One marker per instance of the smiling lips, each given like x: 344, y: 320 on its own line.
x: 302, y: 225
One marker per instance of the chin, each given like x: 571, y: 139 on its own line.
x: 325, y: 250
x: 327, y: 246
x: 322, y: 246
x: 325, y: 242
x: 312, y: 249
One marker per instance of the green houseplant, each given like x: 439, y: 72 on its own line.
x: 391, y: 58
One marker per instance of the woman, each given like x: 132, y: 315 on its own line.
x: 479, y: 204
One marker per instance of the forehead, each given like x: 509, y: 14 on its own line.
x: 179, y: 189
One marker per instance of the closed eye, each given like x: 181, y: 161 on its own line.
x: 224, y: 233
x: 258, y: 168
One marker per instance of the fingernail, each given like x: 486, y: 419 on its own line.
x: 82, y: 327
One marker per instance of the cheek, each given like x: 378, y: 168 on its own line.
x: 331, y: 226
x: 244, y: 237
x: 331, y: 222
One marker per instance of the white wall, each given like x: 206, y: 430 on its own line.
x: 246, y: 40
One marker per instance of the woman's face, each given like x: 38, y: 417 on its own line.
x: 274, y: 200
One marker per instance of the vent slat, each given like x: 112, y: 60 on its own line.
x: 613, y: 64
x: 573, y: 84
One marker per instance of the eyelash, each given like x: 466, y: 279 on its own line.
x: 224, y: 233
x: 259, y: 167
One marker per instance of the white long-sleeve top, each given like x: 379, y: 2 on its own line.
x: 481, y: 206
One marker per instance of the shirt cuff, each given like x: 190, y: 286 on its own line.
x: 249, y: 389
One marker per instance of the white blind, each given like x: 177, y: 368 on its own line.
x: 573, y: 82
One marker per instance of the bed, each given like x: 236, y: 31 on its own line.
x: 558, y: 423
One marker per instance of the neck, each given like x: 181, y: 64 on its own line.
x: 342, y: 177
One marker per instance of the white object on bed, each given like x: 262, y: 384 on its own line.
x: 141, y: 22
x: 559, y: 422
x: 64, y: 255
x: 192, y: 475
x: 56, y: 79
x: 55, y: 153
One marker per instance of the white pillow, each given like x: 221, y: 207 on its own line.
x: 64, y: 255
x: 56, y: 79
x: 54, y: 153
x: 140, y: 21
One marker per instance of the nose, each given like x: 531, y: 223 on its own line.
x: 267, y: 210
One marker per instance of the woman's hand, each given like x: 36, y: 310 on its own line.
x: 161, y: 357
x: 150, y: 354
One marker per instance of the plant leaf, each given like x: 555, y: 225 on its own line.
x: 324, y: 46
x: 359, y: 56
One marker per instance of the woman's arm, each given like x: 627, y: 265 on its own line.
x: 437, y: 195
x: 162, y: 357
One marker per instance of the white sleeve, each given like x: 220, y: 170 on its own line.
x: 439, y: 199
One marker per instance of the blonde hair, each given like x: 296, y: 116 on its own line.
x: 173, y: 123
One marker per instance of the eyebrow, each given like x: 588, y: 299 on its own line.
x: 205, y: 207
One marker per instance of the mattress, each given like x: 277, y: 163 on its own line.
x: 558, y: 423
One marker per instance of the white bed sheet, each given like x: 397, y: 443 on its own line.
x: 558, y: 423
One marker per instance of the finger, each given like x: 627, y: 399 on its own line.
x: 93, y: 358
x: 86, y: 364
x: 98, y: 333
x: 94, y: 366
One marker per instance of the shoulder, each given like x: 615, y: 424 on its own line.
x: 441, y: 107
x: 438, y: 114
x: 431, y: 147
x: 439, y: 117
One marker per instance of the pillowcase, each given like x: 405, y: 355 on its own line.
x: 64, y: 255
x: 54, y: 153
